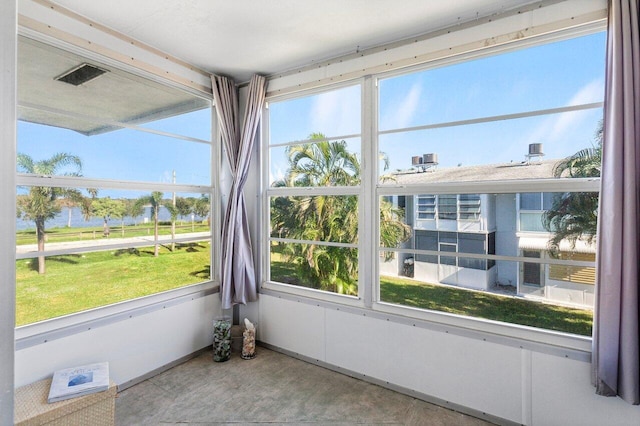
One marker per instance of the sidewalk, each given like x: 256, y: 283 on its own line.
x: 98, y: 242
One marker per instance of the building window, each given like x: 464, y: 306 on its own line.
x: 426, y: 207
x: 114, y: 188
x: 447, y: 207
x: 532, y: 207
x: 469, y: 206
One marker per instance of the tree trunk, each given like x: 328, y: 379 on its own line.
x: 155, y: 233
x: 173, y: 235
x: 105, y: 228
x: 40, y: 235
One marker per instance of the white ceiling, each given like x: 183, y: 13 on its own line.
x: 241, y: 37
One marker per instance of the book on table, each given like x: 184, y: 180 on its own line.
x: 77, y: 381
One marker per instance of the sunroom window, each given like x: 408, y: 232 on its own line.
x: 494, y: 128
x: 314, y: 174
x: 114, y: 192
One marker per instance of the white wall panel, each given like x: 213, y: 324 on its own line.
x: 473, y: 373
x: 133, y: 347
x: 515, y: 384
x: 562, y: 395
x: 295, y: 326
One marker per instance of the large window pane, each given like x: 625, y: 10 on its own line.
x: 91, y: 245
x: 437, y: 252
x: 119, y: 153
x: 541, y: 77
x: 315, y: 143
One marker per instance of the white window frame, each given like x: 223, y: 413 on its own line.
x: 373, y: 191
x: 35, y: 333
x: 268, y: 192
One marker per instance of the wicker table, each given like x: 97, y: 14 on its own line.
x: 31, y: 407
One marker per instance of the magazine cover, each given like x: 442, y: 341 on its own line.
x: 78, y: 381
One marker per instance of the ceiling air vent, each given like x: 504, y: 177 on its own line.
x: 81, y: 74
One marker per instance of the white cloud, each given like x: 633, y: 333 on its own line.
x: 401, y: 115
x: 558, y: 128
x: 336, y: 112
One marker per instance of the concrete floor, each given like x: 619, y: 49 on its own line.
x: 270, y: 389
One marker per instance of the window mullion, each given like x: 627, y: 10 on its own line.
x: 369, y: 234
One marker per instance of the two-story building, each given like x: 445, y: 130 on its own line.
x: 505, y: 225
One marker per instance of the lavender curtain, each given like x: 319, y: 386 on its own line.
x: 616, y: 359
x: 238, y: 284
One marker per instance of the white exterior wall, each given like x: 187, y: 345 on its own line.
x: 506, y: 240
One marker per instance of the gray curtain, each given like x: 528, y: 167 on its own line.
x: 238, y: 284
x: 616, y: 361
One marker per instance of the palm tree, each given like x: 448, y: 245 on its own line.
x: 132, y: 209
x: 155, y: 201
x: 326, y: 218
x: 574, y: 215
x: 40, y: 204
x: 173, y: 211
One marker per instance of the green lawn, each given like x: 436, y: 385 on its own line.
x: 460, y: 301
x: 77, y: 282
x: 485, y: 305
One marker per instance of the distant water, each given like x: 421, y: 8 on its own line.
x: 77, y: 221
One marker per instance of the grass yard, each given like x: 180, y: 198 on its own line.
x: 78, y: 282
x: 485, y: 305
x: 460, y: 301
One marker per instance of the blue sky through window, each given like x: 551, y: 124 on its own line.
x: 553, y: 75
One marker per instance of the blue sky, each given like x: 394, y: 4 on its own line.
x: 127, y: 154
x: 559, y: 74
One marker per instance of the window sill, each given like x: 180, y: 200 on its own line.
x: 522, y: 337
